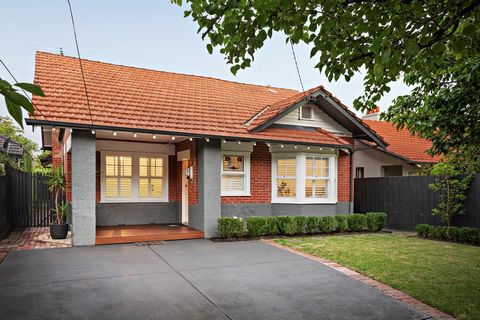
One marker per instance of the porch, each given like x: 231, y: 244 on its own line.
x: 143, y: 233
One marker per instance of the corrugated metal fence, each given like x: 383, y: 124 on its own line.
x: 408, y: 201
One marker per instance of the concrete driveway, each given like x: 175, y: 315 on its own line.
x: 190, y: 279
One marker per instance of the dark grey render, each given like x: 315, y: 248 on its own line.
x: 114, y: 214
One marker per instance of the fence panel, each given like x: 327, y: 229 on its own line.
x: 29, y: 200
x: 408, y: 201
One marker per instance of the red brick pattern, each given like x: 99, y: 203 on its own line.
x: 260, y: 177
x: 397, y: 294
x: 29, y: 239
x: 343, y: 177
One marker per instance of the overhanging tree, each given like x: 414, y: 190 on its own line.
x: 432, y: 45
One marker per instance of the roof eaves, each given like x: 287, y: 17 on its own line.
x: 262, y: 126
x: 358, y: 122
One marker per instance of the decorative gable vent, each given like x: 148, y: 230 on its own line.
x: 306, y: 112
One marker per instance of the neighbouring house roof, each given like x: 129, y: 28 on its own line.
x: 10, y: 147
x: 402, y: 143
x: 135, y: 98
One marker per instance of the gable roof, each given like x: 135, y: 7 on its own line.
x: 402, y: 143
x: 319, y: 96
x: 132, y: 99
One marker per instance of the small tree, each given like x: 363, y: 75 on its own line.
x: 57, y: 184
x: 452, y: 191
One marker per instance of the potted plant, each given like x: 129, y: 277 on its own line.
x: 56, y: 184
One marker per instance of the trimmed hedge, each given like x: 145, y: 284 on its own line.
x: 298, y: 225
x: 376, y: 220
x: 356, y: 222
x: 456, y: 234
x: 230, y: 227
x: 342, y: 223
x: 311, y: 225
x: 257, y: 226
x: 327, y: 224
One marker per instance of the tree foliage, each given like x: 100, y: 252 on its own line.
x: 432, y: 45
x: 15, y: 101
x: 8, y: 129
x: 451, y: 188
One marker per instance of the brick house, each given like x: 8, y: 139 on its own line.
x: 152, y: 147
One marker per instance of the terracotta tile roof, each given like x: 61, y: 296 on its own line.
x: 402, y: 143
x: 136, y: 98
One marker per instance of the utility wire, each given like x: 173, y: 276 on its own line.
x: 296, y: 65
x: 80, y: 60
x: 24, y: 92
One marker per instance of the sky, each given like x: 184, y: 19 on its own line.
x: 150, y: 34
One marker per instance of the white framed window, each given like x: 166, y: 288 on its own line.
x: 304, y: 178
x: 133, y: 177
x: 317, y: 177
x: 306, y: 112
x: 235, y: 173
x: 118, y: 177
x: 286, y: 177
x: 150, y: 177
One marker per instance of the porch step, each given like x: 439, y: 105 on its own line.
x: 143, y: 233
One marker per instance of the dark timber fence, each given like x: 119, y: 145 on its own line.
x: 408, y: 201
x: 4, y: 217
x: 26, y: 200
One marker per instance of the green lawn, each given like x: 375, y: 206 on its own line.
x: 441, y: 274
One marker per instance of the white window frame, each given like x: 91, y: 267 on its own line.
x: 135, y: 176
x: 301, y: 117
x: 300, y: 198
x: 245, y: 173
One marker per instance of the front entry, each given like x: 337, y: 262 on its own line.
x: 185, y: 181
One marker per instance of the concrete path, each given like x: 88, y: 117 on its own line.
x: 190, y: 279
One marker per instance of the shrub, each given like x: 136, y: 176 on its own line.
x: 327, y: 224
x: 376, y: 221
x: 272, y: 226
x: 356, y: 222
x: 286, y: 225
x: 422, y: 230
x: 300, y: 222
x: 464, y: 234
x: 311, y: 224
x: 257, y: 226
x: 342, y: 223
x: 230, y: 227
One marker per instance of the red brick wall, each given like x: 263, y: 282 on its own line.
x: 260, y: 177
x: 57, y: 160
x: 343, y: 178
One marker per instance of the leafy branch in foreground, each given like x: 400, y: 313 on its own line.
x: 15, y: 101
x: 432, y: 45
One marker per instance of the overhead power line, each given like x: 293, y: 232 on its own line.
x: 296, y: 65
x: 80, y: 61
x: 24, y: 92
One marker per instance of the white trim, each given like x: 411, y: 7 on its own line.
x: 135, y: 177
x: 245, y: 174
x: 142, y: 147
x: 301, y: 117
x: 183, y: 155
x: 301, y: 178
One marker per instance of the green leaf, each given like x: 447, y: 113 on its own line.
x: 209, y: 48
x: 19, y: 100
x: 15, y: 111
x: 412, y: 47
x: 32, y: 88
